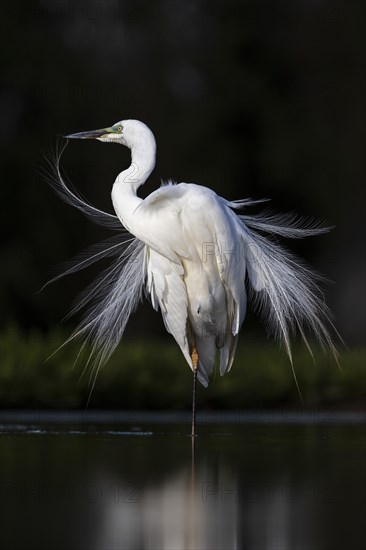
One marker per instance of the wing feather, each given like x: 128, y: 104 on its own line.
x: 167, y: 290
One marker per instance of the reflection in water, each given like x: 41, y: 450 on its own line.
x: 257, y: 487
x: 262, y: 492
x: 181, y: 512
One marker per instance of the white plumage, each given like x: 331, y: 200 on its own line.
x: 196, y: 259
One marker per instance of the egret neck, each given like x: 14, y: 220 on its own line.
x: 124, y: 191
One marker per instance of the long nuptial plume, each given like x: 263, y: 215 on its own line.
x: 282, y: 288
x: 115, y: 294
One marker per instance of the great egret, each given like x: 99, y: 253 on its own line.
x: 196, y: 259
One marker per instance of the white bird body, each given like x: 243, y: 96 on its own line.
x: 188, y: 275
x: 196, y: 259
x: 194, y: 273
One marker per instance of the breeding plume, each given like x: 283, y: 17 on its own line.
x: 197, y: 258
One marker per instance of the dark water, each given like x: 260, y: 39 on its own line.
x: 254, y: 482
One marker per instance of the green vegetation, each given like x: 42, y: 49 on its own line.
x: 154, y: 375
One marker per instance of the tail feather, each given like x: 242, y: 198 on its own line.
x: 227, y: 353
x: 282, y: 288
x: 288, y: 225
x: 117, y: 246
x: 111, y: 299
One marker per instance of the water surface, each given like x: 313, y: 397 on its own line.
x: 117, y: 481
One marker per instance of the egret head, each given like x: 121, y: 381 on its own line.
x: 126, y: 132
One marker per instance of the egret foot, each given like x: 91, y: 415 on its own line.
x: 194, y: 357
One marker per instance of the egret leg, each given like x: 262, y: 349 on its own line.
x: 194, y: 357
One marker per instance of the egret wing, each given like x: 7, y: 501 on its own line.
x: 209, y: 225
x: 167, y: 290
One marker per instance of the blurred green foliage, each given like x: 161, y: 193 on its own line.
x: 154, y: 375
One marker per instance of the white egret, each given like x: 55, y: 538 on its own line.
x: 197, y: 260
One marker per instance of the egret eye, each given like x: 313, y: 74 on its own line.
x: 119, y: 128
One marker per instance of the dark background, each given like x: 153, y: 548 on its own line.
x: 252, y: 98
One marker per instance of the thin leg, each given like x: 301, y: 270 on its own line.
x: 195, y: 369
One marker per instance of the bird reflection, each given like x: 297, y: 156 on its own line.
x: 175, y: 513
x: 219, y: 492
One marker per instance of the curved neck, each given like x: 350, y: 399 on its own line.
x: 142, y: 164
x: 124, y: 191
